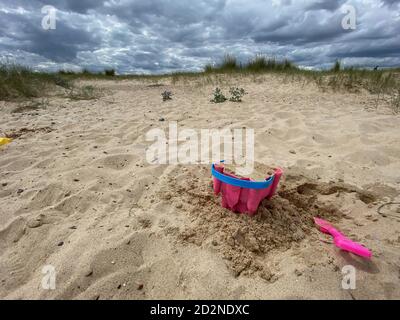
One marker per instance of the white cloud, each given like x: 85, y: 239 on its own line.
x: 156, y: 36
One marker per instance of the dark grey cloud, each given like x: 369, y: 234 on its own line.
x: 385, y: 49
x: 330, y: 5
x: 391, y: 2
x: 155, y: 36
x: 309, y: 29
x: 80, y: 6
x: 60, y: 45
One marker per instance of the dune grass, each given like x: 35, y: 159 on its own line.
x: 378, y: 82
x: 259, y: 64
x: 21, y: 82
x: 337, y: 66
x: 18, y: 82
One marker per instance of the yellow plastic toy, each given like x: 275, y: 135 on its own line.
x: 5, y: 141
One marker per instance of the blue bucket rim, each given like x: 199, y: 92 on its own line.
x: 258, y: 185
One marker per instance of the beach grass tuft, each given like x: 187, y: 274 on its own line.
x: 18, y: 82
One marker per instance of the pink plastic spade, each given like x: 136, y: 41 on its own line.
x: 341, y: 241
x: 243, y: 195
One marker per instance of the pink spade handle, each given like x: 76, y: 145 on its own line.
x: 341, y: 241
x: 351, y: 246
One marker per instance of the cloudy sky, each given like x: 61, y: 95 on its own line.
x: 157, y: 36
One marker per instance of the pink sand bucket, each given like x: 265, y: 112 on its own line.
x: 243, y: 195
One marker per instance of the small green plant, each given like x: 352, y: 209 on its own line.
x: 237, y: 94
x: 218, y: 96
x: 166, y: 95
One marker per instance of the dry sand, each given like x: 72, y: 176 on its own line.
x: 77, y: 193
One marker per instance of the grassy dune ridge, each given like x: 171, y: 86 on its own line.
x: 18, y: 82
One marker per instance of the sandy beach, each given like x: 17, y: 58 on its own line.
x: 77, y: 193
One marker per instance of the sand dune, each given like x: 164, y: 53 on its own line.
x: 77, y: 193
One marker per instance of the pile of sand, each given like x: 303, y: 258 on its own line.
x: 244, y: 241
